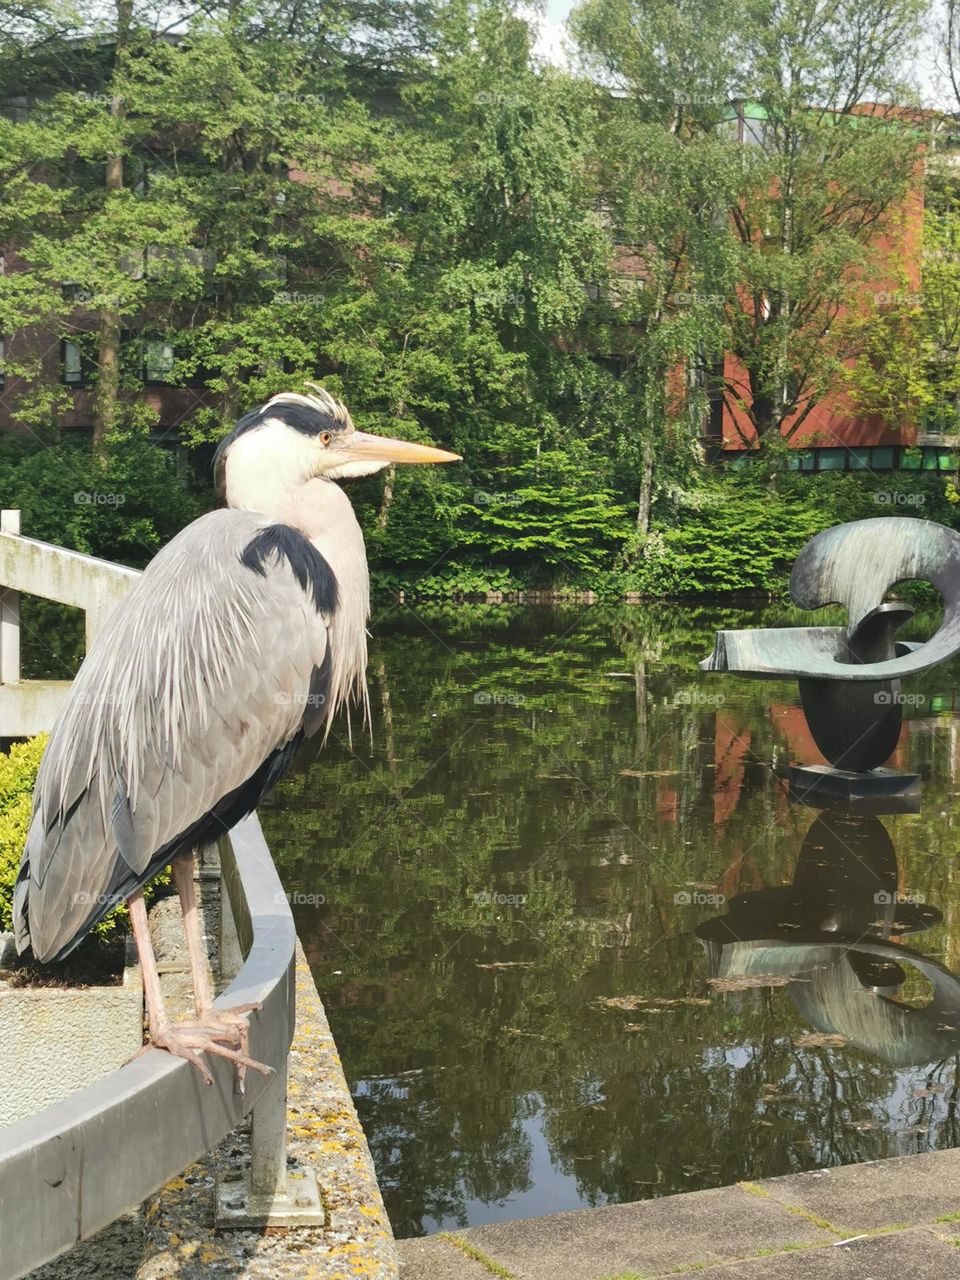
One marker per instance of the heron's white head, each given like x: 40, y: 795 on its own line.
x: 294, y: 438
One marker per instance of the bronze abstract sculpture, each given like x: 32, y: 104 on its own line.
x: 849, y: 677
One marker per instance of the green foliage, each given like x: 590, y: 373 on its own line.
x: 123, y: 507
x: 470, y: 247
x: 740, y: 534
x: 18, y: 772
x: 765, y: 227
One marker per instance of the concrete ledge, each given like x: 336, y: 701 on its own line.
x: 324, y: 1134
x: 29, y: 707
x: 884, y: 1220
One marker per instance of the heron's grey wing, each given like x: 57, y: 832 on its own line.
x: 208, y: 672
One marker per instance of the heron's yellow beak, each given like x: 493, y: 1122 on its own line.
x: 360, y: 446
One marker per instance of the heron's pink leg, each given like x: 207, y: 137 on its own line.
x: 185, y: 1040
x: 182, y: 868
x: 202, y: 990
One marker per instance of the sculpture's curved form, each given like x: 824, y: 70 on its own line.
x: 850, y: 676
x: 854, y: 565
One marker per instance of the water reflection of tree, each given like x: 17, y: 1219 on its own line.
x: 527, y: 794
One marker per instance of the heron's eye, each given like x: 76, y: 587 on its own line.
x: 325, y: 437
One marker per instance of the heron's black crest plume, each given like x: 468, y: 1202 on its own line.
x: 308, y: 414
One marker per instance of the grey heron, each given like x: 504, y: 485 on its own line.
x: 245, y: 634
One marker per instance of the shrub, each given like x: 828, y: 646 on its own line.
x: 18, y: 772
x: 124, y: 508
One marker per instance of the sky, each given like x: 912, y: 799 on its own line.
x: 550, y: 44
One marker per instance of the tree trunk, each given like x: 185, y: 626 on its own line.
x: 386, y: 704
x: 108, y: 328
x: 646, y: 488
x: 400, y: 410
x: 384, y: 513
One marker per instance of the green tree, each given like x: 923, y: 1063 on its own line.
x: 808, y: 174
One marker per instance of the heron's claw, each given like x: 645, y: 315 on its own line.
x: 224, y: 1033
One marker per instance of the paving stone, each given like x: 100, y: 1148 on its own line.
x: 649, y: 1237
x: 862, y: 1197
x: 904, y: 1255
x: 436, y: 1259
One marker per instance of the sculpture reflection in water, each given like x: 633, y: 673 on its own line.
x: 831, y: 935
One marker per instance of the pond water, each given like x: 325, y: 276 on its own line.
x: 515, y: 899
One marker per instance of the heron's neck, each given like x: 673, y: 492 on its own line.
x: 323, y: 513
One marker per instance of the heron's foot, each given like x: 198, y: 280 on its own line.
x: 234, y: 1022
x: 221, y: 1036
x: 235, y: 1016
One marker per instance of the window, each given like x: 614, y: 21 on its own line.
x: 939, y: 420
x: 72, y: 364
x: 831, y: 459
x: 158, y: 360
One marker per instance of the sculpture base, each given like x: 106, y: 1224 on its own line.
x: 879, y: 791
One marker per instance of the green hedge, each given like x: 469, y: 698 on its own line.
x: 18, y: 772
x: 741, y: 535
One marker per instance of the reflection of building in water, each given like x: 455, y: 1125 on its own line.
x: 830, y: 934
x: 732, y: 746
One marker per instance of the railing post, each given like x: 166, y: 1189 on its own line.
x: 9, y: 614
x: 268, y: 1142
x: 268, y: 1194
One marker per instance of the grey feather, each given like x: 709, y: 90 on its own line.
x: 204, y: 670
